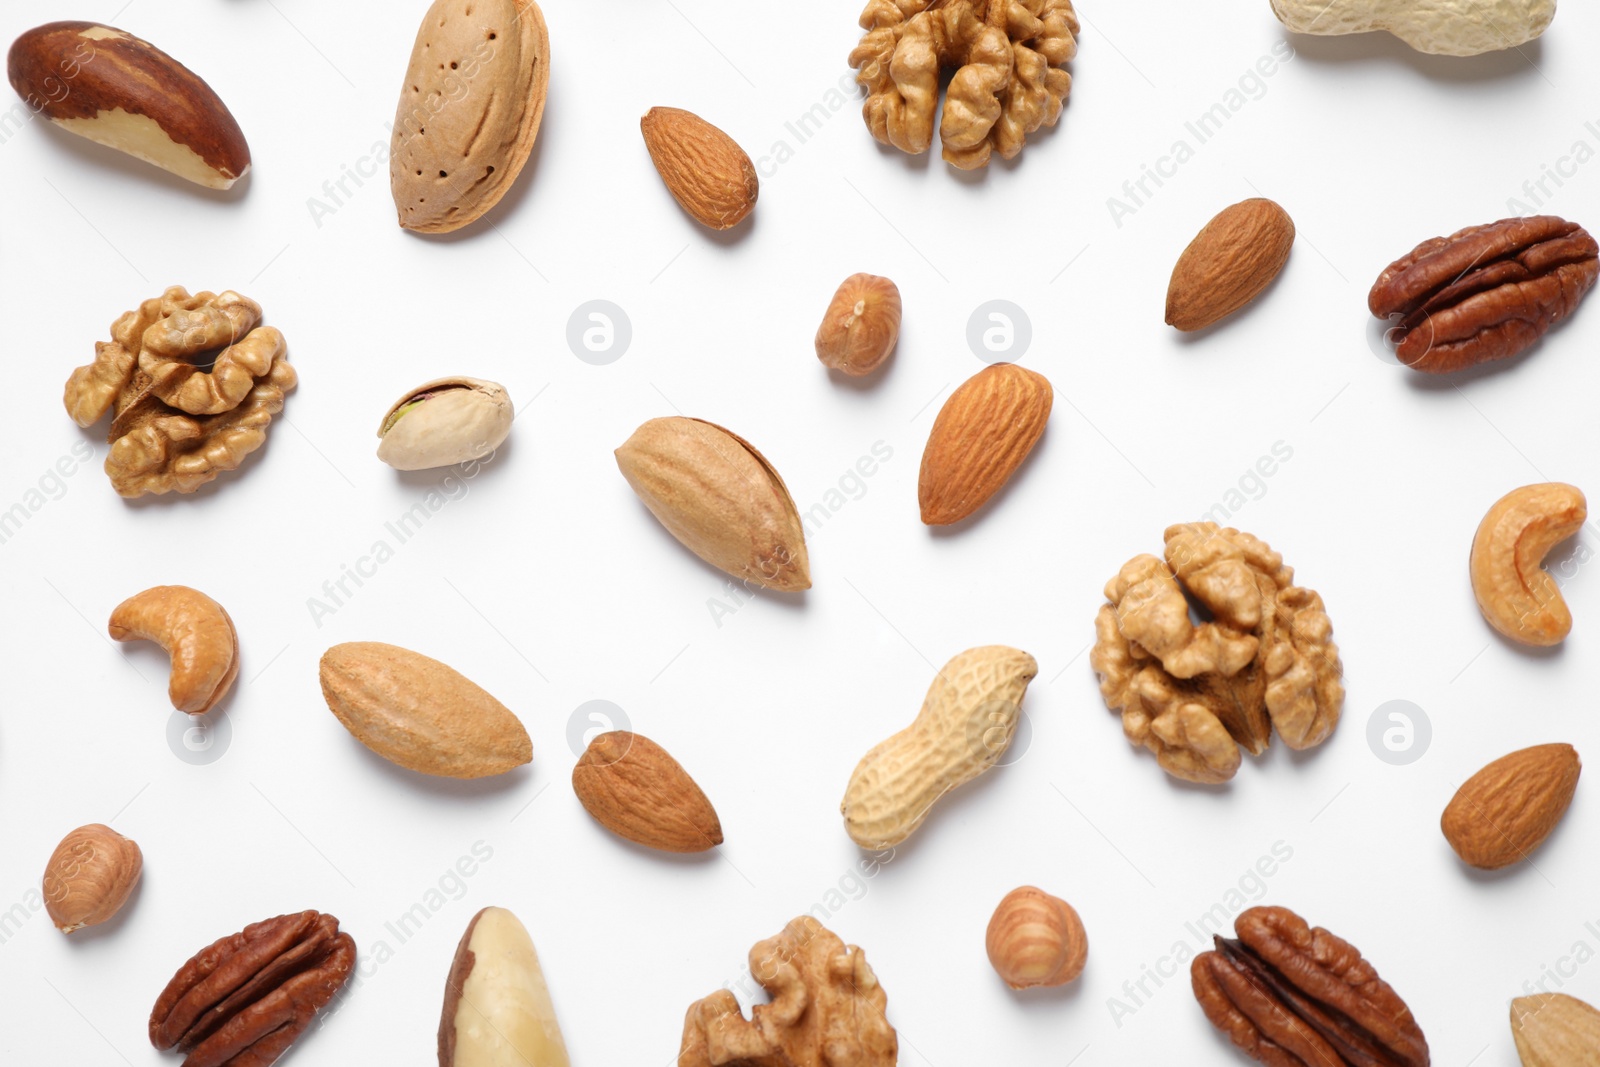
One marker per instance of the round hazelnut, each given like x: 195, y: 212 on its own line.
x: 1036, y: 939
x: 89, y: 877
x: 861, y: 326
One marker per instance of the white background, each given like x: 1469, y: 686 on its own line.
x: 548, y: 583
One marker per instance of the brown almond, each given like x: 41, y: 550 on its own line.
x: 1229, y: 263
x: 636, y: 790
x: 1555, y: 1030
x: 419, y: 713
x: 469, y: 110
x: 721, y: 498
x: 708, y: 174
x: 115, y: 89
x: 1505, y: 811
x: 982, y: 435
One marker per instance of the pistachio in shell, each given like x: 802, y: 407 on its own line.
x: 445, y: 421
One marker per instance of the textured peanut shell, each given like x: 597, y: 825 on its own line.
x: 113, y: 88
x: 721, y: 498
x: 967, y: 722
x: 981, y: 436
x: 1229, y: 263
x: 461, y: 419
x: 635, y: 789
x: 1516, y: 595
x: 1440, y: 27
x: 497, y: 1006
x: 1503, y: 813
x: 419, y: 713
x: 195, y: 631
x: 90, y: 876
x: 469, y: 110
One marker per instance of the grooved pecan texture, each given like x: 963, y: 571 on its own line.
x: 1193, y: 693
x: 1292, y: 995
x: 191, y: 383
x: 1486, y: 292
x: 243, y: 1000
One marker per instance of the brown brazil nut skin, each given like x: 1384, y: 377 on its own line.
x: 1292, y: 995
x: 244, y: 999
x: 1486, y: 292
x: 76, y: 74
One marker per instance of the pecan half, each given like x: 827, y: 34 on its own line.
x: 1486, y: 292
x: 1291, y: 995
x: 243, y: 1000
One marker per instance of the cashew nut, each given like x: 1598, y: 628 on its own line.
x: 1515, y: 594
x: 196, y: 632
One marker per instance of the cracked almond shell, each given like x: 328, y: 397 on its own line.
x: 420, y: 714
x: 720, y: 498
x: 107, y: 85
x: 469, y: 110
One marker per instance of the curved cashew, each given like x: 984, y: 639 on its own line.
x: 1516, y: 596
x: 196, y: 632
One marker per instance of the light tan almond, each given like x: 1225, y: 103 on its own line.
x: 721, y: 498
x: 1555, y: 1030
x: 708, y: 174
x: 469, y: 110
x: 982, y: 435
x: 1505, y: 811
x: 1229, y: 263
x: 419, y: 713
x: 636, y: 790
x: 109, y: 86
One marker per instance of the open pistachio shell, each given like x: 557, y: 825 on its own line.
x: 445, y: 421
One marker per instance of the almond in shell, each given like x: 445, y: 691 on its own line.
x: 982, y: 435
x: 469, y: 110
x: 1229, y: 263
x: 721, y: 498
x: 636, y: 790
x: 706, y: 172
x: 1504, y: 812
x: 419, y: 713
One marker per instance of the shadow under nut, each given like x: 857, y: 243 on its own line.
x: 196, y: 633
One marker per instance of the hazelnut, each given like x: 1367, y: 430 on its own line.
x: 1036, y: 939
x: 89, y: 877
x: 861, y: 326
